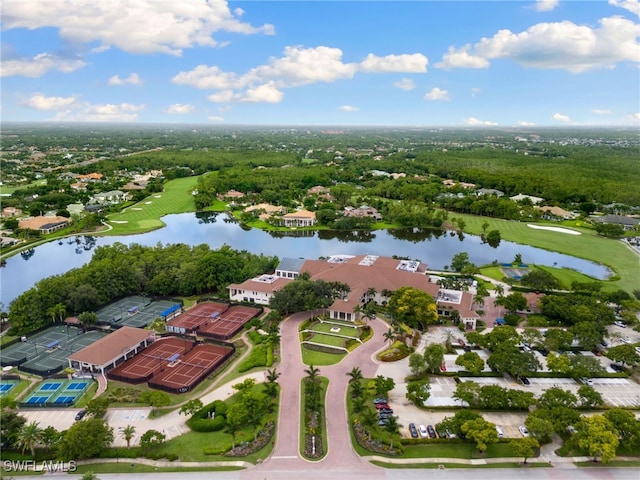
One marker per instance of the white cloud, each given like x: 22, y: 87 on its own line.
x: 461, y: 59
x: 180, y: 108
x: 297, y: 67
x: 133, y: 79
x: 475, y: 91
x: 601, y: 111
x: 415, y: 63
x: 265, y: 93
x: 39, y: 65
x: 405, y: 84
x: 546, y: 5
x: 559, y: 45
x: 205, y: 77
x: 39, y: 102
x: 437, y: 94
x: 348, y: 108
x: 635, y: 117
x: 477, y: 122
x: 631, y: 5
x: 135, y: 26
x: 214, y: 118
x: 524, y: 123
x: 559, y: 117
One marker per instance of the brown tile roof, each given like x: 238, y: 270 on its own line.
x: 36, y: 223
x: 262, y: 287
x: 112, y: 346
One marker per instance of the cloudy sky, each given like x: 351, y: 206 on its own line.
x: 455, y: 63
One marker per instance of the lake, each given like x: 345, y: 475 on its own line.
x: 434, y: 248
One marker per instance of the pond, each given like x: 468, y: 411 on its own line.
x: 434, y: 248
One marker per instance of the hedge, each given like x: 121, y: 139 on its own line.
x: 200, y: 421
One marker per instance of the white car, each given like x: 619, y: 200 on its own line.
x: 523, y: 431
x: 625, y: 340
x: 620, y: 324
x: 423, y: 431
x: 587, y: 381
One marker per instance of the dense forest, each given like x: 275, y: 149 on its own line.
x: 119, y: 270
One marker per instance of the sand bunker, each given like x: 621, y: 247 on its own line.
x: 135, y: 208
x: 554, y: 229
x: 157, y: 196
x: 147, y: 203
x: 119, y: 221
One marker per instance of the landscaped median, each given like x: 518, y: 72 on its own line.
x: 325, y: 341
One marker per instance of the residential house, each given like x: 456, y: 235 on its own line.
x: 231, y: 195
x: 90, y: 177
x: 301, y: 218
x: 489, y: 191
x: 8, y: 212
x: 628, y: 223
x: 110, y: 198
x: 361, y: 212
x: 44, y: 224
x: 556, y: 213
x: 520, y: 197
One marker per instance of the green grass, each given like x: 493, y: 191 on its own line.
x: 457, y: 450
x: 566, y: 276
x: 318, y: 359
x: 146, y: 215
x: 324, y: 385
x: 347, y: 330
x: 328, y: 340
x: 437, y: 465
x: 9, y: 189
x: 124, y: 466
x: 588, y: 246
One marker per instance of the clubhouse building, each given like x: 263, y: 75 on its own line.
x: 370, y: 277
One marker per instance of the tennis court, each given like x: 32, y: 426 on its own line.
x: 37, y: 344
x: 190, y: 320
x: 57, y: 393
x: 185, y: 373
x: 6, y: 386
x: 229, y: 323
x: 53, y: 360
x: 134, y: 311
x: 150, y: 361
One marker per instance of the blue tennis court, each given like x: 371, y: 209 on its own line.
x: 65, y: 399
x: 50, y: 387
x: 37, y: 400
x: 6, y: 387
x: 77, y: 386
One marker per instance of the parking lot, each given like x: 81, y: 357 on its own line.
x: 620, y: 392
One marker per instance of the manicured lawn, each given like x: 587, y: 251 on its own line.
x: 9, y: 189
x: 146, y: 215
x: 565, y: 276
x: 124, y: 466
x: 346, y: 330
x: 457, y: 450
x: 588, y: 245
x: 318, y: 359
x: 328, y: 340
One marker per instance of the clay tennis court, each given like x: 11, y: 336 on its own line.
x: 150, y: 361
x: 229, y: 323
x: 190, y: 320
x: 190, y: 370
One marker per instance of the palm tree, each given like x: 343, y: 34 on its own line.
x: 355, y: 374
x: 272, y: 375
x: 128, y: 432
x: 499, y: 289
x: 312, y: 373
x: 392, y: 427
x: 371, y: 293
x: 390, y: 335
x: 29, y: 436
x: 356, y: 390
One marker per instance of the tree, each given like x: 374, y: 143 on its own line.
x: 540, y: 428
x: 625, y: 423
x: 624, y: 354
x: 559, y: 363
x: 418, y: 392
x: 152, y: 438
x: 10, y: 426
x: 237, y: 416
x: 57, y: 311
x: 389, y: 335
x: 493, y: 238
x: 191, y: 407
x: 29, y: 436
x: 598, y: 437
x: 89, y: 476
x: 459, y: 261
x: 97, y: 407
x: 499, y: 336
x: 416, y: 363
x: 585, y: 366
x: 384, y: 385
x: 355, y: 375
x: 557, y: 339
x: 88, y: 319
x: 480, y: 431
x: 468, y: 392
x: 508, y: 358
x: 411, y: 306
x: 471, y: 362
x: 513, y: 302
x: 434, y: 357
x: 454, y: 424
x: 50, y: 437
x: 85, y: 439
x: 588, y: 334
x: 128, y: 432
x: 589, y: 397
x: 392, y: 427
x: 525, y: 447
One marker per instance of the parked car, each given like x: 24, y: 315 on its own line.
x: 543, y: 351
x: 80, y: 415
x: 586, y: 381
x: 525, y: 381
x: 380, y: 406
x: 443, y: 367
x: 413, y: 430
x: 380, y: 400
x: 604, y: 343
x: 384, y: 415
x: 386, y: 410
x: 431, y: 431
x: 523, y: 430
x: 423, y: 431
x: 620, y: 324
x: 383, y: 421
x: 617, y: 367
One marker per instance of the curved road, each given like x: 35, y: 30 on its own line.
x: 340, y: 455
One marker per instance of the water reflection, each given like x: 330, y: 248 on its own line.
x: 433, y: 247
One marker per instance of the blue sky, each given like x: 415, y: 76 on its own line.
x: 447, y: 63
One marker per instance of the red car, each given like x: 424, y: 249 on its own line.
x: 443, y: 368
x: 381, y: 406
